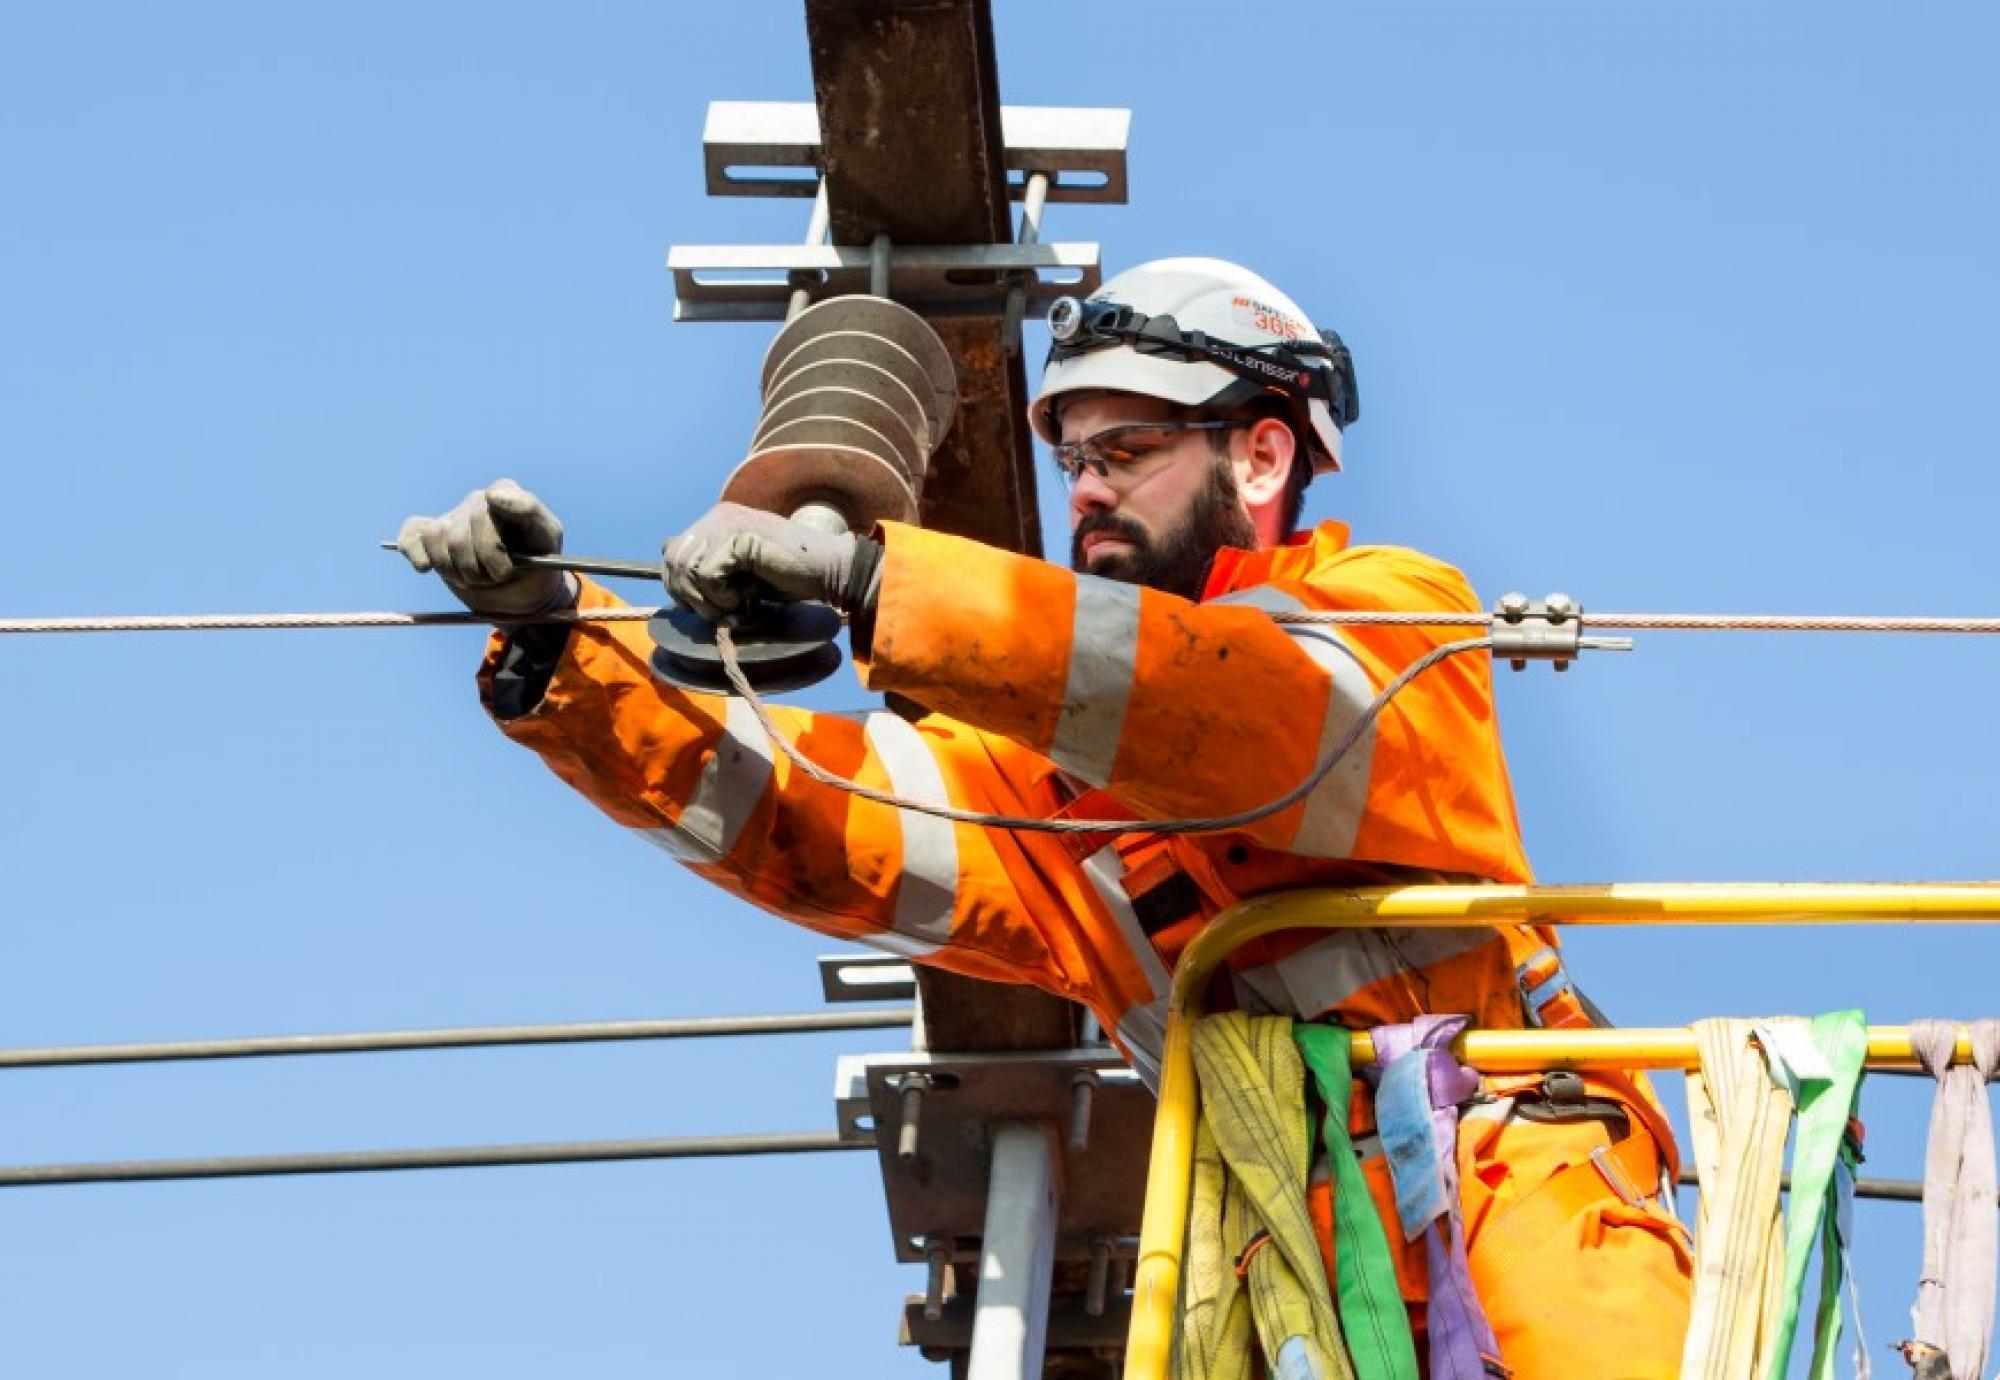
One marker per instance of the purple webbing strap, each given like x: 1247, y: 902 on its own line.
x: 1418, y: 1088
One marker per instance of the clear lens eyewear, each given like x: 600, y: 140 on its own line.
x: 1119, y: 449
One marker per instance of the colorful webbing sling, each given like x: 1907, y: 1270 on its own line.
x: 1739, y: 1114
x: 1253, y: 1259
x: 1418, y: 1088
x: 1822, y: 1068
x: 1373, y: 1317
x: 1953, y: 1313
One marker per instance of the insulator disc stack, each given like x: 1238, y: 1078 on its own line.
x: 858, y: 394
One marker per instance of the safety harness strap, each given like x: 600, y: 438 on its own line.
x: 1372, y: 1315
x: 1549, y: 1000
x: 1160, y: 890
x: 1094, y: 804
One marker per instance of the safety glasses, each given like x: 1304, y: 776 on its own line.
x: 1122, y: 450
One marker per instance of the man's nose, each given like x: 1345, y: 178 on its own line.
x: 1091, y: 492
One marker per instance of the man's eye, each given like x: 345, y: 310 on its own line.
x: 1139, y: 442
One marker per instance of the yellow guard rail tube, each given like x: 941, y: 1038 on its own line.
x: 1156, y: 1286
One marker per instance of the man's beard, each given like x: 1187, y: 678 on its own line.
x: 1178, y: 562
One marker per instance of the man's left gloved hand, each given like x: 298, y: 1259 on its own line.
x: 736, y: 553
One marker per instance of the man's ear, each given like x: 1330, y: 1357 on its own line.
x: 1264, y: 462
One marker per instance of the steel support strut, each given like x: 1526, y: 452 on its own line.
x: 1016, y: 1263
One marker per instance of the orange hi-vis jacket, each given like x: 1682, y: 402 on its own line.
x: 1054, y: 692
x: 1057, y: 693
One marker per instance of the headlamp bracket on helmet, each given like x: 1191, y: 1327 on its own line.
x: 1299, y: 369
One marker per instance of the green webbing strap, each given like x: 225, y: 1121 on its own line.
x: 1371, y: 1306
x: 1836, y: 1242
x: 1825, y: 1079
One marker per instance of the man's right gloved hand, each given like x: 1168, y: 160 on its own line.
x: 468, y: 547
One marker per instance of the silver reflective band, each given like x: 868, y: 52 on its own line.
x: 732, y: 782
x: 1105, y: 871
x: 1332, y: 970
x: 927, y: 889
x: 1103, y: 645
x: 1143, y: 1033
x: 1336, y: 806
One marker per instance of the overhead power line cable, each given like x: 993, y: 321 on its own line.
x: 269, y: 622
x: 1496, y: 623
x: 461, y: 1037
x: 450, y: 1157
x: 563, y: 1152
x: 1355, y: 618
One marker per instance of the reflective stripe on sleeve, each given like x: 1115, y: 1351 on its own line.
x: 1334, y: 810
x: 1330, y: 971
x: 1103, y: 642
x: 1106, y: 871
x: 677, y: 847
x: 927, y: 889
x: 732, y: 782
x: 1142, y: 1030
x: 889, y: 942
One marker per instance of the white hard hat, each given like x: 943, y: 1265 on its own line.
x: 1201, y: 333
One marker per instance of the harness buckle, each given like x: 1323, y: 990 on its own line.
x: 1564, y: 1088
x: 1565, y: 1098
x: 1543, y: 981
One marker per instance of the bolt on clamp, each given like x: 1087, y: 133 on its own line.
x: 1549, y: 629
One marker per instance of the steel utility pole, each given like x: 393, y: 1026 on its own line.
x: 1012, y: 1153
x: 911, y: 147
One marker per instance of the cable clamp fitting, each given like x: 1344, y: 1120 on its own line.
x: 1550, y: 629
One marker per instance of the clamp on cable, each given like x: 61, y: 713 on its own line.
x: 1550, y: 629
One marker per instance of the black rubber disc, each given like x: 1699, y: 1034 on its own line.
x: 779, y: 646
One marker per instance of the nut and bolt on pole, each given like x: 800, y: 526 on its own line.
x: 914, y: 1086
x: 1099, y: 1279
x: 937, y: 1255
x: 1082, y: 1095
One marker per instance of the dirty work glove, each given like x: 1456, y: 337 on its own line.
x: 736, y: 553
x: 468, y: 549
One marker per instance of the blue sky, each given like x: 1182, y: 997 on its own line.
x: 1672, y: 307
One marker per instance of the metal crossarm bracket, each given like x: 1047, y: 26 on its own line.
x: 939, y: 1187
x: 754, y: 282
x: 866, y: 977
x: 747, y: 146
x: 774, y: 148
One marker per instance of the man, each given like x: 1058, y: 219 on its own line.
x: 1189, y: 403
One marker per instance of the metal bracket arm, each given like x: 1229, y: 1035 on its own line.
x: 748, y: 145
x: 754, y: 282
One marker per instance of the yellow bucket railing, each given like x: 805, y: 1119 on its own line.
x: 1149, y: 1344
